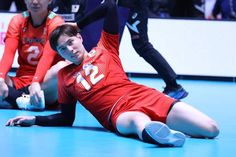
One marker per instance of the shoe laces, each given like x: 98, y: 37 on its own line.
x: 25, y: 95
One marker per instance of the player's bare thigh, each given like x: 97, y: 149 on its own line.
x: 52, y: 72
x: 189, y: 120
x: 49, y: 85
x: 9, y: 81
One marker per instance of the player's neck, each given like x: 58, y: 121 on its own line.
x: 38, y: 18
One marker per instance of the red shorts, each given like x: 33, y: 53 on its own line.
x: 23, y: 81
x: 149, y: 101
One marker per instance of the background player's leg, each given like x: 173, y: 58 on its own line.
x: 137, y: 25
x: 49, y: 85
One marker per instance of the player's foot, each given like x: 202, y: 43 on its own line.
x: 176, y: 92
x: 23, y: 103
x: 160, y: 134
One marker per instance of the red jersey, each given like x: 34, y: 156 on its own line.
x: 101, y: 85
x: 32, y: 43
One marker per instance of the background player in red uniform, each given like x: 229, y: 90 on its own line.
x: 99, y: 82
x: 28, y: 33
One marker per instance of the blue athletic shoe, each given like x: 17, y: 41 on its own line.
x: 160, y: 134
x: 176, y: 92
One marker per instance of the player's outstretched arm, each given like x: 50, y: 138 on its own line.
x: 65, y: 118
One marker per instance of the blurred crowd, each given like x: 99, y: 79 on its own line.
x: 200, y: 9
x: 197, y: 9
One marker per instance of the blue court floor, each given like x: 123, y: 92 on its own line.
x: 88, y: 139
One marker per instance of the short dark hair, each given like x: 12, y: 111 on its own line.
x: 65, y: 29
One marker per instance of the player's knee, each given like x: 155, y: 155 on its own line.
x: 142, y: 47
x: 212, y: 129
x: 55, y: 68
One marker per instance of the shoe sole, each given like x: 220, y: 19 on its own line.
x: 178, y: 96
x: 164, y: 136
x: 185, y: 94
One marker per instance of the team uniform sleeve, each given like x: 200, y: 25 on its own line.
x: 49, y: 54
x: 11, y: 45
x: 64, y: 96
x: 65, y: 118
x: 45, y: 63
x: 68, y: 108
x: 109, y: 42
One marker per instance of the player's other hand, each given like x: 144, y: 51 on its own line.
x: 35, y: 93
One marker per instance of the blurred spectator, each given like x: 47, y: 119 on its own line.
x: 224, y: 9
x: 159, y: 8
x: 70, y: 10
x: 209, y: 5
x: 187, y: 8
x: 5, y: 5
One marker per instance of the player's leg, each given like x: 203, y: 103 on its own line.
x: 140, y: 124
x: 17, y: 99
x: 49, y: 85
x: 10, y: 101
x: 48, y: 94
x: 187, y: 119
x: 137, y: 24
x: 9, y: 81
x: 132, y: 122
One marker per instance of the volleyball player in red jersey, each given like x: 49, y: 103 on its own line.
x: 97, y: 80
x: 28, y: 33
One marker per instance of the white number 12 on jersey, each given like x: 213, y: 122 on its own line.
x: 91, y: 71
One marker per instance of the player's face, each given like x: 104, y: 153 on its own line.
x: 37, y: 6
x: 71, y: 48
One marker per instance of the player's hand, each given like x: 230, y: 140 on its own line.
x: 3, y: 89
x: 35, y: 93
x: 21, y: 121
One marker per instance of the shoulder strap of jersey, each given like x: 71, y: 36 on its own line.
x: 25, y: 14
x: 51, y: 15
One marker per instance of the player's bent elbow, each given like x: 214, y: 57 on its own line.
x: 69, y: 121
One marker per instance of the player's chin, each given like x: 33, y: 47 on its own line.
x: 34, y: 9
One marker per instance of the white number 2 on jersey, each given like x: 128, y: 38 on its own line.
x: 33, y: 54
x: 91, y: 71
